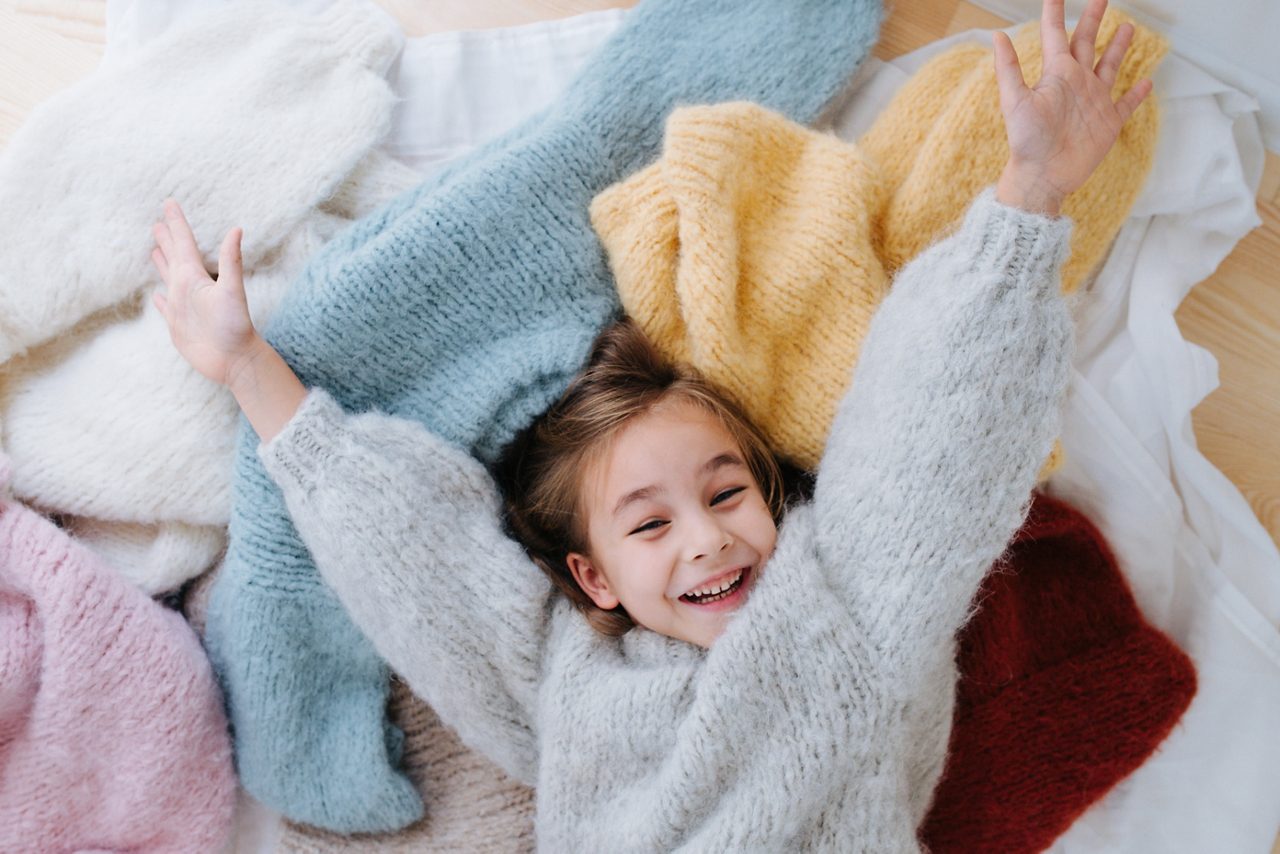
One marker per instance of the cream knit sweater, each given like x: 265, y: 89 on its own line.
x: 819, y: 720
x: 256, y: 116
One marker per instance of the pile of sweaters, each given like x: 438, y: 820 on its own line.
x: 743, y: 242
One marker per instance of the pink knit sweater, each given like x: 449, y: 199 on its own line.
x: 112, y: 733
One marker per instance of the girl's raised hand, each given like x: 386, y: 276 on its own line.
x: 1060, y: 129
x: 208, y: 317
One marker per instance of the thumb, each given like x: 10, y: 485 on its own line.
x: 230, y: 262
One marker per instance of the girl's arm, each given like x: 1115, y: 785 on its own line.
x: 406, y: 530
x: 955, y: 400
x: 403, y: 527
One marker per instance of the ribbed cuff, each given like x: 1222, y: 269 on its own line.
x: 1028, y: 246
x: 294, y: 456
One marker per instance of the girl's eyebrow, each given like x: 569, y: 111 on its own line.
x: 635, y: 495
x: 716, y: 463
x: 719, y: 461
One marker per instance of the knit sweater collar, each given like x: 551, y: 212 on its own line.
x: 641, y: 646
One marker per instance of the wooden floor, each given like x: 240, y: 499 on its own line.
x: 47, y: 44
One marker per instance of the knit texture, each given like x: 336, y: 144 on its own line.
x: 103, y: 420
x: 468, y: 304
x: 156, y: 558
x: 845, y: 649
x: 1065, y: 690
x: 756, y: 250
x: 472, y: 805
x: 942, y: 139
x: 112, y: 733
x: 746, y: 251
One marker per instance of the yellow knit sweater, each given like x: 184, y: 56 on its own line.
x: 756, y: 249
x: 746, y: 252
x: 942, y: 139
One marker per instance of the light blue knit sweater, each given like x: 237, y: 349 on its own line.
x: 467, y: 305
x: 819, y: 720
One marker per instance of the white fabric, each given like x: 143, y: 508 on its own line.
x: 1203, y: 568
x: 457, y: 89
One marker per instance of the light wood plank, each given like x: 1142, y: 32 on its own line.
x: 1270, y: 186
x: 419, y: 19
x: 970, y: 17
x: 1235, y: 314
x: 35, y: 62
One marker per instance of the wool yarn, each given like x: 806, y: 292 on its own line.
x: 468, y: 304
x: 112, y: 732
x: 746, y: 251
x: 941, y: 140
x: 102, y: 418
x: 1065, y: 690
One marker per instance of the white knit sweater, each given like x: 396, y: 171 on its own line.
x: 819, y: 720
x: 254, y: 116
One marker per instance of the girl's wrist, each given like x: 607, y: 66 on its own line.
x: 1024, y: 188
x: 243, y: 368
x: 266, y: 388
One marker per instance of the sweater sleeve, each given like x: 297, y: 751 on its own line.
x: 406, y: 530
x: 953, y: 408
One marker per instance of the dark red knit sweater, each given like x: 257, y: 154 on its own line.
x: 1064, y: 690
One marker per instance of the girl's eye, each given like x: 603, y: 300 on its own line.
x: 651, y: 525
x: 725, y: 494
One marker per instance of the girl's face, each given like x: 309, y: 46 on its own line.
x: 676, y: 524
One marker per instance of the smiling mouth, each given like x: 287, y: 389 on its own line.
x: 716, y: 591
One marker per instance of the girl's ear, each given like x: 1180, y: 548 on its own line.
x: 592, y: 581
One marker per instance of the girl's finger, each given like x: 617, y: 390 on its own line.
x: 1053, y: 30
x: 184, y: 241
x: 1009, y: 78
x: 1113, y: 56
x: 1131, y: 99
x: 160, y: 231
x: 1086, y: 32
x: 230, y: 269
x: 162, y: 265
x: 161, y: 304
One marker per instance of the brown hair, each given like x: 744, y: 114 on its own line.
x: 541, y: 473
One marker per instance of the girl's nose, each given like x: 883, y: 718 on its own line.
x: 708, y: 537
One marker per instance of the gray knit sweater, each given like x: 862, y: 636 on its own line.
x: 819, y: 720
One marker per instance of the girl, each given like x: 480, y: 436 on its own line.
x: 783, y: 688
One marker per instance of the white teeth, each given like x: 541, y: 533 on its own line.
x: 715, y: 589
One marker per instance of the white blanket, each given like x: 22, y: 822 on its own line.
x: 1202, y: 567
